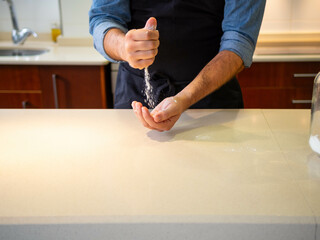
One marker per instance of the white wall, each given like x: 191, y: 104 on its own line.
x: 280, y: 16
x: 75, y: 18
x: 291, y: 16
x: 39, y: 15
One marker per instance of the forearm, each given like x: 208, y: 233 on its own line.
x: 216, y: 73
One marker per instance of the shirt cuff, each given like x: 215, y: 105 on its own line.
x: 239, y: 44
x: 98, y: 35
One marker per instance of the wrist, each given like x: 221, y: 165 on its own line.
x: 121, y: 49
x: 114, y: 42
x: 183, y: 100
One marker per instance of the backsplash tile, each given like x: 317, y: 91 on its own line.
x: 278, y: 10
x: 76, y: 23
x: 291, y: 16
x: 39, y: 15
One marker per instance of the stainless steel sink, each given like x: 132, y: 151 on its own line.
x: 6, y: 52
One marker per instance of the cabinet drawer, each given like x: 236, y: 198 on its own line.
x: 277, y: 98
x: 278, y: 84
x: 20, y: 100
x: 73, y: 86
x: 55, y: 86
x: 279, y: 74
x: 19, y: 77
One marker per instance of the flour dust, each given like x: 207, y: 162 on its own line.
x: 148, y: 90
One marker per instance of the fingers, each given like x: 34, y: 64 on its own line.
x: 141, y: 64
x: 166, y: 109
x: 144, y: 116
x: 163, y: 115
x: 137, y: 108
x: 142, y: 34
x: 143, y: 55
x: 148, y: 121
x: 141, y: 47
x: 151, y: 23
x: 141, y: 59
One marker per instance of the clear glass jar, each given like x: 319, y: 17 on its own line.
x: 314, y: 140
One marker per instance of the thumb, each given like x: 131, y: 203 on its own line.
x: 164, y: 115
x: 151, y: 24
x: 164, y: 111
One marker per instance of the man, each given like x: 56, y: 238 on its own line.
x: 204, y: 44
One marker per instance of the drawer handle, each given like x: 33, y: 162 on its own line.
x: 55, y: 91
x: 301, y: 101
x: 25, y: 104
x: 304, y: 75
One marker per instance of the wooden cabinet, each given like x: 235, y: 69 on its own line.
x: 20, y: 87
x: 278, y: 84
x: 55, y: 86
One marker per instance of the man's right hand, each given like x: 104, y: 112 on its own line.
x: 138, y: 47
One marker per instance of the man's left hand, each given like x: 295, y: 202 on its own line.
x: 162, y: 118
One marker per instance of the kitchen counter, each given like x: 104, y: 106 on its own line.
x: 286, y: 57
x: 287, y: 54
x: 57, y: 55
x: 87, y: 55
x: 288, y: 47
x: 98, y: 174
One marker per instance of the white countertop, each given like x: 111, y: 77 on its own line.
x: 98, y: 174
x: 87, y: 55
x: 287, y: 54
x: 286, y: 58
x: 57, y: 55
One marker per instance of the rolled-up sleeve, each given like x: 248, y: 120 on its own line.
x: 105, y: 15
x: 241, y: 26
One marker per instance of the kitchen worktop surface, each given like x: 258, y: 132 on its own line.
x: 60, y: 54
x: 57, y: 55
x: 98, y: 174
x: 287, y: 54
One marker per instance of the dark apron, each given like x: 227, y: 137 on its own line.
x: 190, y: 34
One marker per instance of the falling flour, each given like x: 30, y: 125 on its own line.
x: 148, y: 90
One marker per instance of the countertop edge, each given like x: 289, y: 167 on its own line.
x: 56, y: 63
x: 162, y: 230
x: 233, y: 219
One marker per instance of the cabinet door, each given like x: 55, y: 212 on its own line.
x: 278, y: 84
x: 20, y: 87
x: 17, y: 77
x: 20, y: 100
x: 74, y: 86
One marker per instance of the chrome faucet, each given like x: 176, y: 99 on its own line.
x: 18, y: 36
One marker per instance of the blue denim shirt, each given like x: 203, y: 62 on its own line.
x: 240, y: 26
